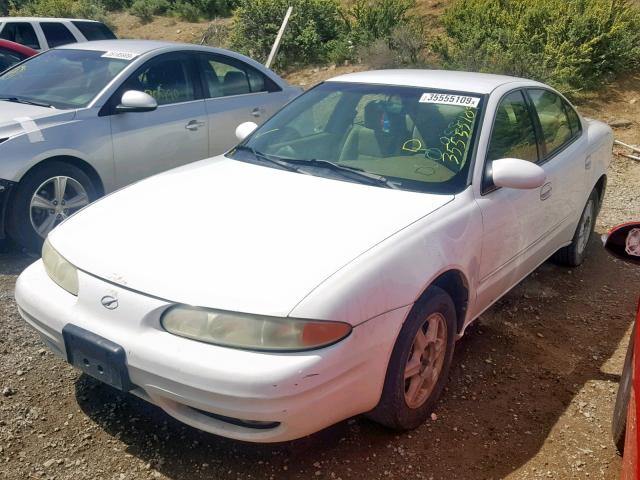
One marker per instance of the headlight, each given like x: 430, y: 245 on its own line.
x: 252, y: 332
x: 59, y: 270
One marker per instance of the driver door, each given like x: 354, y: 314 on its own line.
x: 514, y: 220
x: 176, y: 133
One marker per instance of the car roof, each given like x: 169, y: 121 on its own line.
x: 44, y: 19
x: 434, y: 79
x: 137, y: 47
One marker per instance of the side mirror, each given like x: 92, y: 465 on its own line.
x: 516, y: 173
x: 244, y: 130
x: 136, y: 101
x: 623, y: 242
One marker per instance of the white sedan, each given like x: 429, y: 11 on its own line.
x: 327, y: 265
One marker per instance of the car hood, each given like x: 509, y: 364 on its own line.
x: 15, y: 118
x: 232, y: 235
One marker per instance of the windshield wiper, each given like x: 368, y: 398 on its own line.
x: 25, y: 101
x: 360, y: 174
x: 280, y: 163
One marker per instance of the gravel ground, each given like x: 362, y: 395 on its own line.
x: 530, y: 396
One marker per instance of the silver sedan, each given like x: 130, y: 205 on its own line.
x: 82, y: 120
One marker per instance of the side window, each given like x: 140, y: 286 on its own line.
x: 94, y: 30
x: 225, y: 77
x: 20, y: 32
x: 556, y: 130
x: 574, y: 120
x: 167, y: 79
x: 8, y: 59
x: 513, y: 134
x: 57, y: 34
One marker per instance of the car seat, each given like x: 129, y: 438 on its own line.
x: 235, y: 83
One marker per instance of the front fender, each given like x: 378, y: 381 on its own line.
x: 397, y: 271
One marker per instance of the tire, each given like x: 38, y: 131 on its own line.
x: 574, y: 254
x: 398, y: 408
x: 24, y: 215
x: 619, y: 420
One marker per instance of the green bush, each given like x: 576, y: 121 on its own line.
x: 313, y: 27
x: 186, y: 11
x: 570, y: 44
x: 60, y: 8
x: 146, y: 9
x: 369, y: 20
x: 115, y: 5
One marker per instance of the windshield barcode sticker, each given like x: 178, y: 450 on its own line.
x: 120, y: 55
x: 446, y: 99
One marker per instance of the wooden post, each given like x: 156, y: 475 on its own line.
x: 276, y: 44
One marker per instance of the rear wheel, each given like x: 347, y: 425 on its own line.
x: 419, y: 364
x: 574, y: 254
x: 45, y: 197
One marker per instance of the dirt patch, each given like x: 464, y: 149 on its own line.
x: 160, y: 28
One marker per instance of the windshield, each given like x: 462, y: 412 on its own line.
x: 413, y: 138
x: 63, y: 79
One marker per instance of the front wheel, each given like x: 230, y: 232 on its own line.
x: 419, y: 364
x: 45, y: 197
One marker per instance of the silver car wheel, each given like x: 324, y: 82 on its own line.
x: 53, y: 201
x: 586, y: 224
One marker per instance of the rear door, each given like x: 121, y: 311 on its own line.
x: 176, y: 133
x: 235, y: 93
x: 564, y: 161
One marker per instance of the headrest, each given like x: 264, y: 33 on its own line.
x: 235, y: 83
x: 373, y: 115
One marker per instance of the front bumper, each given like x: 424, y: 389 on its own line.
x: 5, y: 190
x: 206, y: 386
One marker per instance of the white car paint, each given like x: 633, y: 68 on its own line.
x: 267, y: 241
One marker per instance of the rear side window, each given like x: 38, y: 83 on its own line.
x: 556, y: 130
x: 57, y: 34
x: 94, y: 30
x: 20, y: 32
x: 574, y: 120
x: 225, y: 77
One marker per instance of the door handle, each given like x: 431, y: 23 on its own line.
x: 587, y: 163
x: 545, y: 191
x: 256, y: 112
x: 194, y: 125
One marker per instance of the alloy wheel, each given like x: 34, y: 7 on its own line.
x: 425, y: 361
x: 585, y: 227
x: 53, y: 201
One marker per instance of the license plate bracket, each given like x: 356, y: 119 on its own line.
x: 96, y: 356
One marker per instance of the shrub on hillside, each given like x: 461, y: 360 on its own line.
x: 146, y: 9
x: 369, y: 20
x: 313, y: 25
x: 59, y: 8
x: 571, y: 44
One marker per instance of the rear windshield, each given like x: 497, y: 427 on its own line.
x: 94, y: 30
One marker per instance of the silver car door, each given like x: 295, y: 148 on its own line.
x: 236, y: 93
x: 176, y: 133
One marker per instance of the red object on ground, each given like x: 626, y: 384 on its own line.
x: 16, y: 47
x: 630, y: 465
